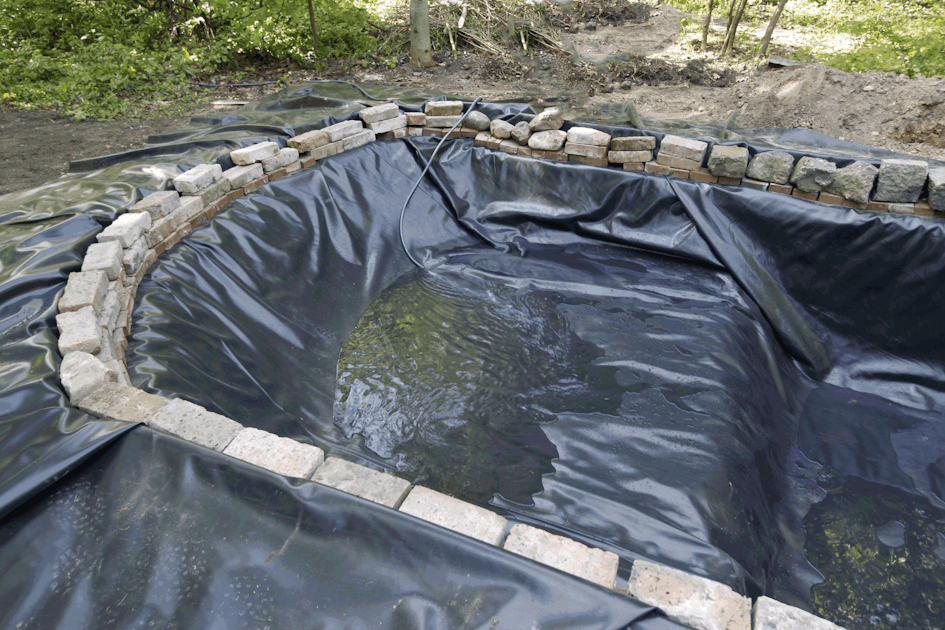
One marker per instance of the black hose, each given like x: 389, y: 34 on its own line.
x: 403, y: 210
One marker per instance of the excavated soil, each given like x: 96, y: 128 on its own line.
x: 621, y: 53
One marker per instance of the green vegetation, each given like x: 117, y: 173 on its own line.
x: 902, y: 36
x: 110, y: 58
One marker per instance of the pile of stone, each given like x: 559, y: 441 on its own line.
x: 332, y: 140
x: 438, y: 118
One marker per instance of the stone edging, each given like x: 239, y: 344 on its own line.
x: 95, y: 318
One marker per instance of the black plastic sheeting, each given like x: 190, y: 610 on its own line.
x: 650, y: 366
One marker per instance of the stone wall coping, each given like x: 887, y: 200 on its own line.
x: 96, y: 306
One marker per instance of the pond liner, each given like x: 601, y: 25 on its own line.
x: 793, y: 302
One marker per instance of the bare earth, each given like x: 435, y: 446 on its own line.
x: 641, y: 61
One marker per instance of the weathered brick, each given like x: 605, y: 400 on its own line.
x: 79, y: 331
x: 656, y: 168
x: 80, y: 373
x: 280, y: 455
x: 126, y: 229
x: 509, y: 146
x: 133, y: 256
x: 111, y: 306
x: 214, y: 191
x: 195, y: 424
x: 105, y: 257
x: 309, y: 141
x: 158, y: 204
x: 679, y: 173
x: 198, y: 178
x: 281, y: 159
x: 590, y: 137
x: 114, y: 401
x: 586, y: 150
x: 459, y: 516
x: 383, y: 126
x: 769, y: 614
x: 673, y: 161
x: 593, y: 161
x: 633, y: 143
x: 622, y: 157
x: 255, y: 184
x: 730, y: 181
x: 685, y: 148
x: 703, y: 175
x: 442, y: 122
x: 370, y: 115
x: 415, y: 119
x: 634, y: 166
x: 362, y: 482
x: 239, y: 176
x: 747, y: 182
x: 443, y: 108
x: 802, y: 194
x: 84, y: 288
x: 359, y: 139
x: 781, y: 190
x: 344, y: 129
x: 253, y: 154
x: 564, y: 554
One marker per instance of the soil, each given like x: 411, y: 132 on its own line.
x: 620, y: 52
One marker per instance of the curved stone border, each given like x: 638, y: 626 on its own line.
x: 95, y: 318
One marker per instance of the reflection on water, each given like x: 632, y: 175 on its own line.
x: 452, y: 375
x: 879, y: 551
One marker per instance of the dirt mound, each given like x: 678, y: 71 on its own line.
x: 652, y: 71
x: 592, y: 14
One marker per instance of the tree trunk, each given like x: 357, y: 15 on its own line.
x: 705, y: 26
x: 420, y: 54
x: 773, y: 23
x: 730, y: 36
x: 311, y: 21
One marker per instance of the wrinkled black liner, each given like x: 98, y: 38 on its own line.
x: 246, y: 317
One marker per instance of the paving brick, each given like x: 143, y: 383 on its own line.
x: 383, y: 126
x: 482, y: 138
x: 586, y: 150
x: 801, y: 194
x: 376, y: 114
x: 132, y: 256
x: 594, y: 565
x: 556, y: 156
x: 442, y: 122
x: 588, y: 136
x: 769, y: 614
x: 703, y: 175
x: 126, y: 229
x: 694, y: 601
x: 158, y: 204
x: 79, y: 331
x: 679, y: 173
x: 429, y: 131
x: 115, y: 401
x: 161, y: 230
x: 633, y: 143
x: 277, y: 174
x: 673, y: 161
x: 233, y: 195
x: 396, y: 134
x: 781, y: 190
x: 105, y: 257
x: 509, y: 146
x: 81, y: 373
x: 256, y: 184
x: 415, y: 119
x: 656, y: 169
x: 459, y: 516
x: 685, y: 148
x: 362, y: 481
x: 292, y: 167
x: 622, y: 157
x: 198, y: 178
x: 195, y: 424
x: 189, y: 208
x: 358, y: 140
x: 309, y: 141
x: 239, y: 176
x: 414, y: 131
x: 281, y: 455
x: 214, y: 191
x: 281, y: 159
x: 826, y: 197
x: 344, y: 129
x: 588, y: 160
x: 253, y: 154
x: 84, y: 288
x: 634, y: 166
x: 524, y: 151
x: 730, y: 181
x: 443, y: 108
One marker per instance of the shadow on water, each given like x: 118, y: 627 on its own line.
x: 451, y: 374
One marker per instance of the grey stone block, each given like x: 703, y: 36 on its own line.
x: 283, y: 158
x: 79, y: 331
x: 362, y: 482
x: 120, y: 402
x: 371, y: 115
x: 521, y: 133
x: 198, y: 178
x: 359, y: 139
x: 459, y: 516
x: 769, y: 614
x: 212, y: 192
x: 253, y: 154
x: 84, y: 288
x: 133, y: 256
x: 195, y: 424
x: 594, y: 565
x: 239, y: 176
x: 340, y: 131
x: 126, y: 229
x: 633, y: 143
x: 854, y: 182
x: 441, y: 122
x: 901, y: 180
x: 104, y: 257
x: 686, y: 148
x: 551, y: 140
x: 280, y: 455
x: 443, y: 108
x: 158, y: 204
x: 477, y: 120
x: 586, y: 135
x: 309, y: 141
x: 937, y: 189
x: 728, y: 161
x: 501, y: 129
x: 388, y: 125
x: 812, y: 174
x: 548, y: 120
x: 111, y: 306
x: 81, y: 373
x: 694, y: 601
x: 771, y: 166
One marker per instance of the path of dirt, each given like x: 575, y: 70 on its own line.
x: 641, y: 61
